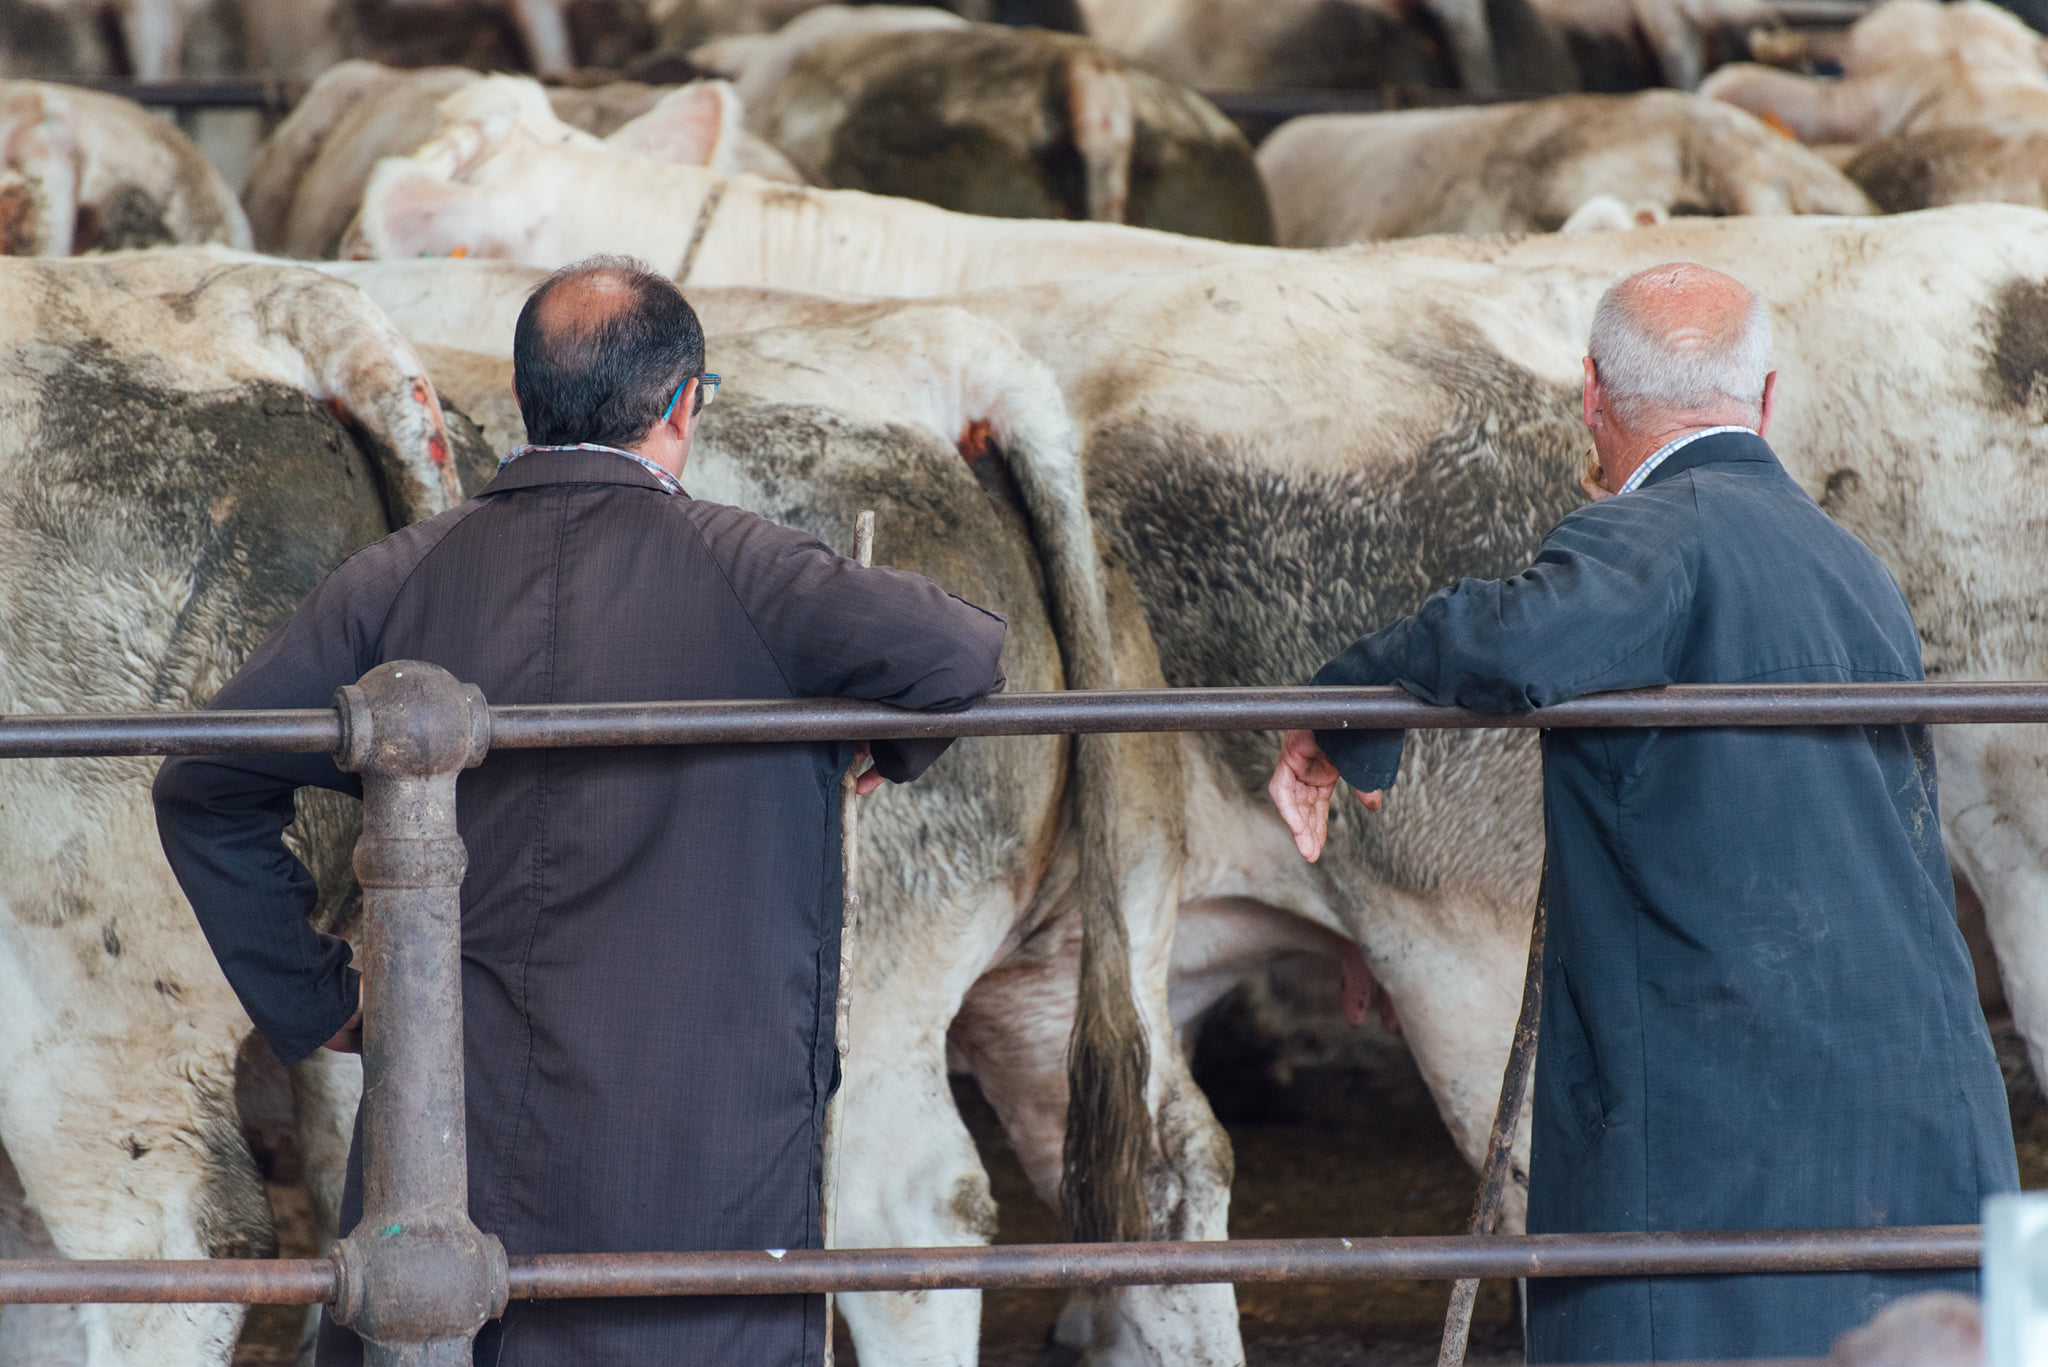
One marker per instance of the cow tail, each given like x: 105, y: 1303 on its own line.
x: 1104, y: 127
x: 1109, y: 1123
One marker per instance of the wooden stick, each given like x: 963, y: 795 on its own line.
x: 1507, y: 1119
x: 849, y: 921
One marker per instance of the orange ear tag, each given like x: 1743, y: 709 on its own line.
x: 463, y: 251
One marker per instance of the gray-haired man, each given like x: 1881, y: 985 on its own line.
x: 1757, y: 1010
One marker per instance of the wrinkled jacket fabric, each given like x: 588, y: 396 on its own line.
x: 650, y: 936
x: 1757, y: 1009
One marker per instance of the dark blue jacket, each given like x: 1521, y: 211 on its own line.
x: 1757, y: 1009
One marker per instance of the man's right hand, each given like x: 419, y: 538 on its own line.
x: 348, y: 1039
x: 1301, y: 786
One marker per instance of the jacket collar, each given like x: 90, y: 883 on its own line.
x: 1721, y: 448
x: 536, y: 468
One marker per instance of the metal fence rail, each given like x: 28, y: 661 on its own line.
x: 311, y: 1281
x: 417, y: 1279
x: 316, y: 731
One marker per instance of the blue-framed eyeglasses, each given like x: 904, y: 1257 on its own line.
x: 707, y: 390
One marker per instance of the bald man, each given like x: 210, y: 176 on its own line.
x: 650, y: 938
x: 1757, y: 1010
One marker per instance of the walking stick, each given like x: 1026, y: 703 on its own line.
x: 849, y: 920
x: 1507, y: 1119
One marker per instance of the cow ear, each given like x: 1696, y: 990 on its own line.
x: 696, y: 125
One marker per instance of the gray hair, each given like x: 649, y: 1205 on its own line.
x: 1644, y: 364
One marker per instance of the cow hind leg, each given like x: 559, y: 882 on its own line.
x: 1994, y: 797
x: 1012, y: 1036
x: 909, y: 1177
x: 143, y: 1162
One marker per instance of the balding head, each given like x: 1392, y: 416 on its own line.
x: 1682, y: 342
x: 600, y: 348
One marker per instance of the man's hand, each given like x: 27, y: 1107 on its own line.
x: 1301, y: 786
x: 868, y: 779
x: 348, y: 1039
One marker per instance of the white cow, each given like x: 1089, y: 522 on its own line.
x: 1341, y: 178
x: 170, y: 421
x: 1946, y: 104
x: 1285, y: 454
x: 94, y: 172
x: 523, y: 188
x: 307, y: 181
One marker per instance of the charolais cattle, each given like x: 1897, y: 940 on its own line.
x: 1406, y: 414
x: 1061, y: 856
x: 1341, y: 178
x: 524, y: 190
x: 188, y: 442
x: 92, y: 172
x: 1944, y: 104
x: 1623, y: 45
x: 1479, y: 45
x: 308, y: 179
x: 1017, y: 123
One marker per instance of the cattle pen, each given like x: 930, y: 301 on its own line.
x: 417, y: 1279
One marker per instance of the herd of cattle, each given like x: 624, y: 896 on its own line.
x: 1171, y: 442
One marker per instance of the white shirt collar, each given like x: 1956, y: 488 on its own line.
x: 1664, y: 452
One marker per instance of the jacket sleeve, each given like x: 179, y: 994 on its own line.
x: 838, y: 630
x: 1596, y: 612
x: 222, y: 822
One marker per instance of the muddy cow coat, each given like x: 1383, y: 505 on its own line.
x: 650, y: 936
x: 1757, y: 1009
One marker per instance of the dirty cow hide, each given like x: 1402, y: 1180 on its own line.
x: 546, y: 36
x: 1937, y: 104
x: 1016, y: 123
x: 309, y: 175
x: 528, y: 188
x: 188, y: 442
x: 90, y: 172
x: 1342, y: 178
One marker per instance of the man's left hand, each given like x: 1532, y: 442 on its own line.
x: 1301, y: 786
x: 868, y: 779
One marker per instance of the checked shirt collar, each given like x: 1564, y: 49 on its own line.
x: 668, y: 482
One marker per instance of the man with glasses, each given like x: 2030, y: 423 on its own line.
x: 650, y: 937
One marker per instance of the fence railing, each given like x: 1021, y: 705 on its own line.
x: 417, y: 1279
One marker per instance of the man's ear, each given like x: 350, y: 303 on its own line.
x: 1770, y: 400
x: 683, y: 422
x: 1590, y: 400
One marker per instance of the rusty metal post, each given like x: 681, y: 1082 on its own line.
x: 416, y: 1278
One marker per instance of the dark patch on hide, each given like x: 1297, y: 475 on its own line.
x: 2019, y: 345
x: 110, y: 941
x: 1530, y: 53
x: 979, y: 121
x: 480, y: 33
x: 126, y: 220
x: 258, y: 492
x: 1612, y: 63
x: 1842, y: 486
x: 36, y: 40
x: 1954, y: 166
x: 1253, y: 573
x: 1345, y: 46
x: 234, y: 1217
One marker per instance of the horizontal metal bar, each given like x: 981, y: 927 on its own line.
x: 1254, y: 709
x: 83, y: 1281
x: 28, y: 735
x: 1241, y: 1261
x: 764, y: 1273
